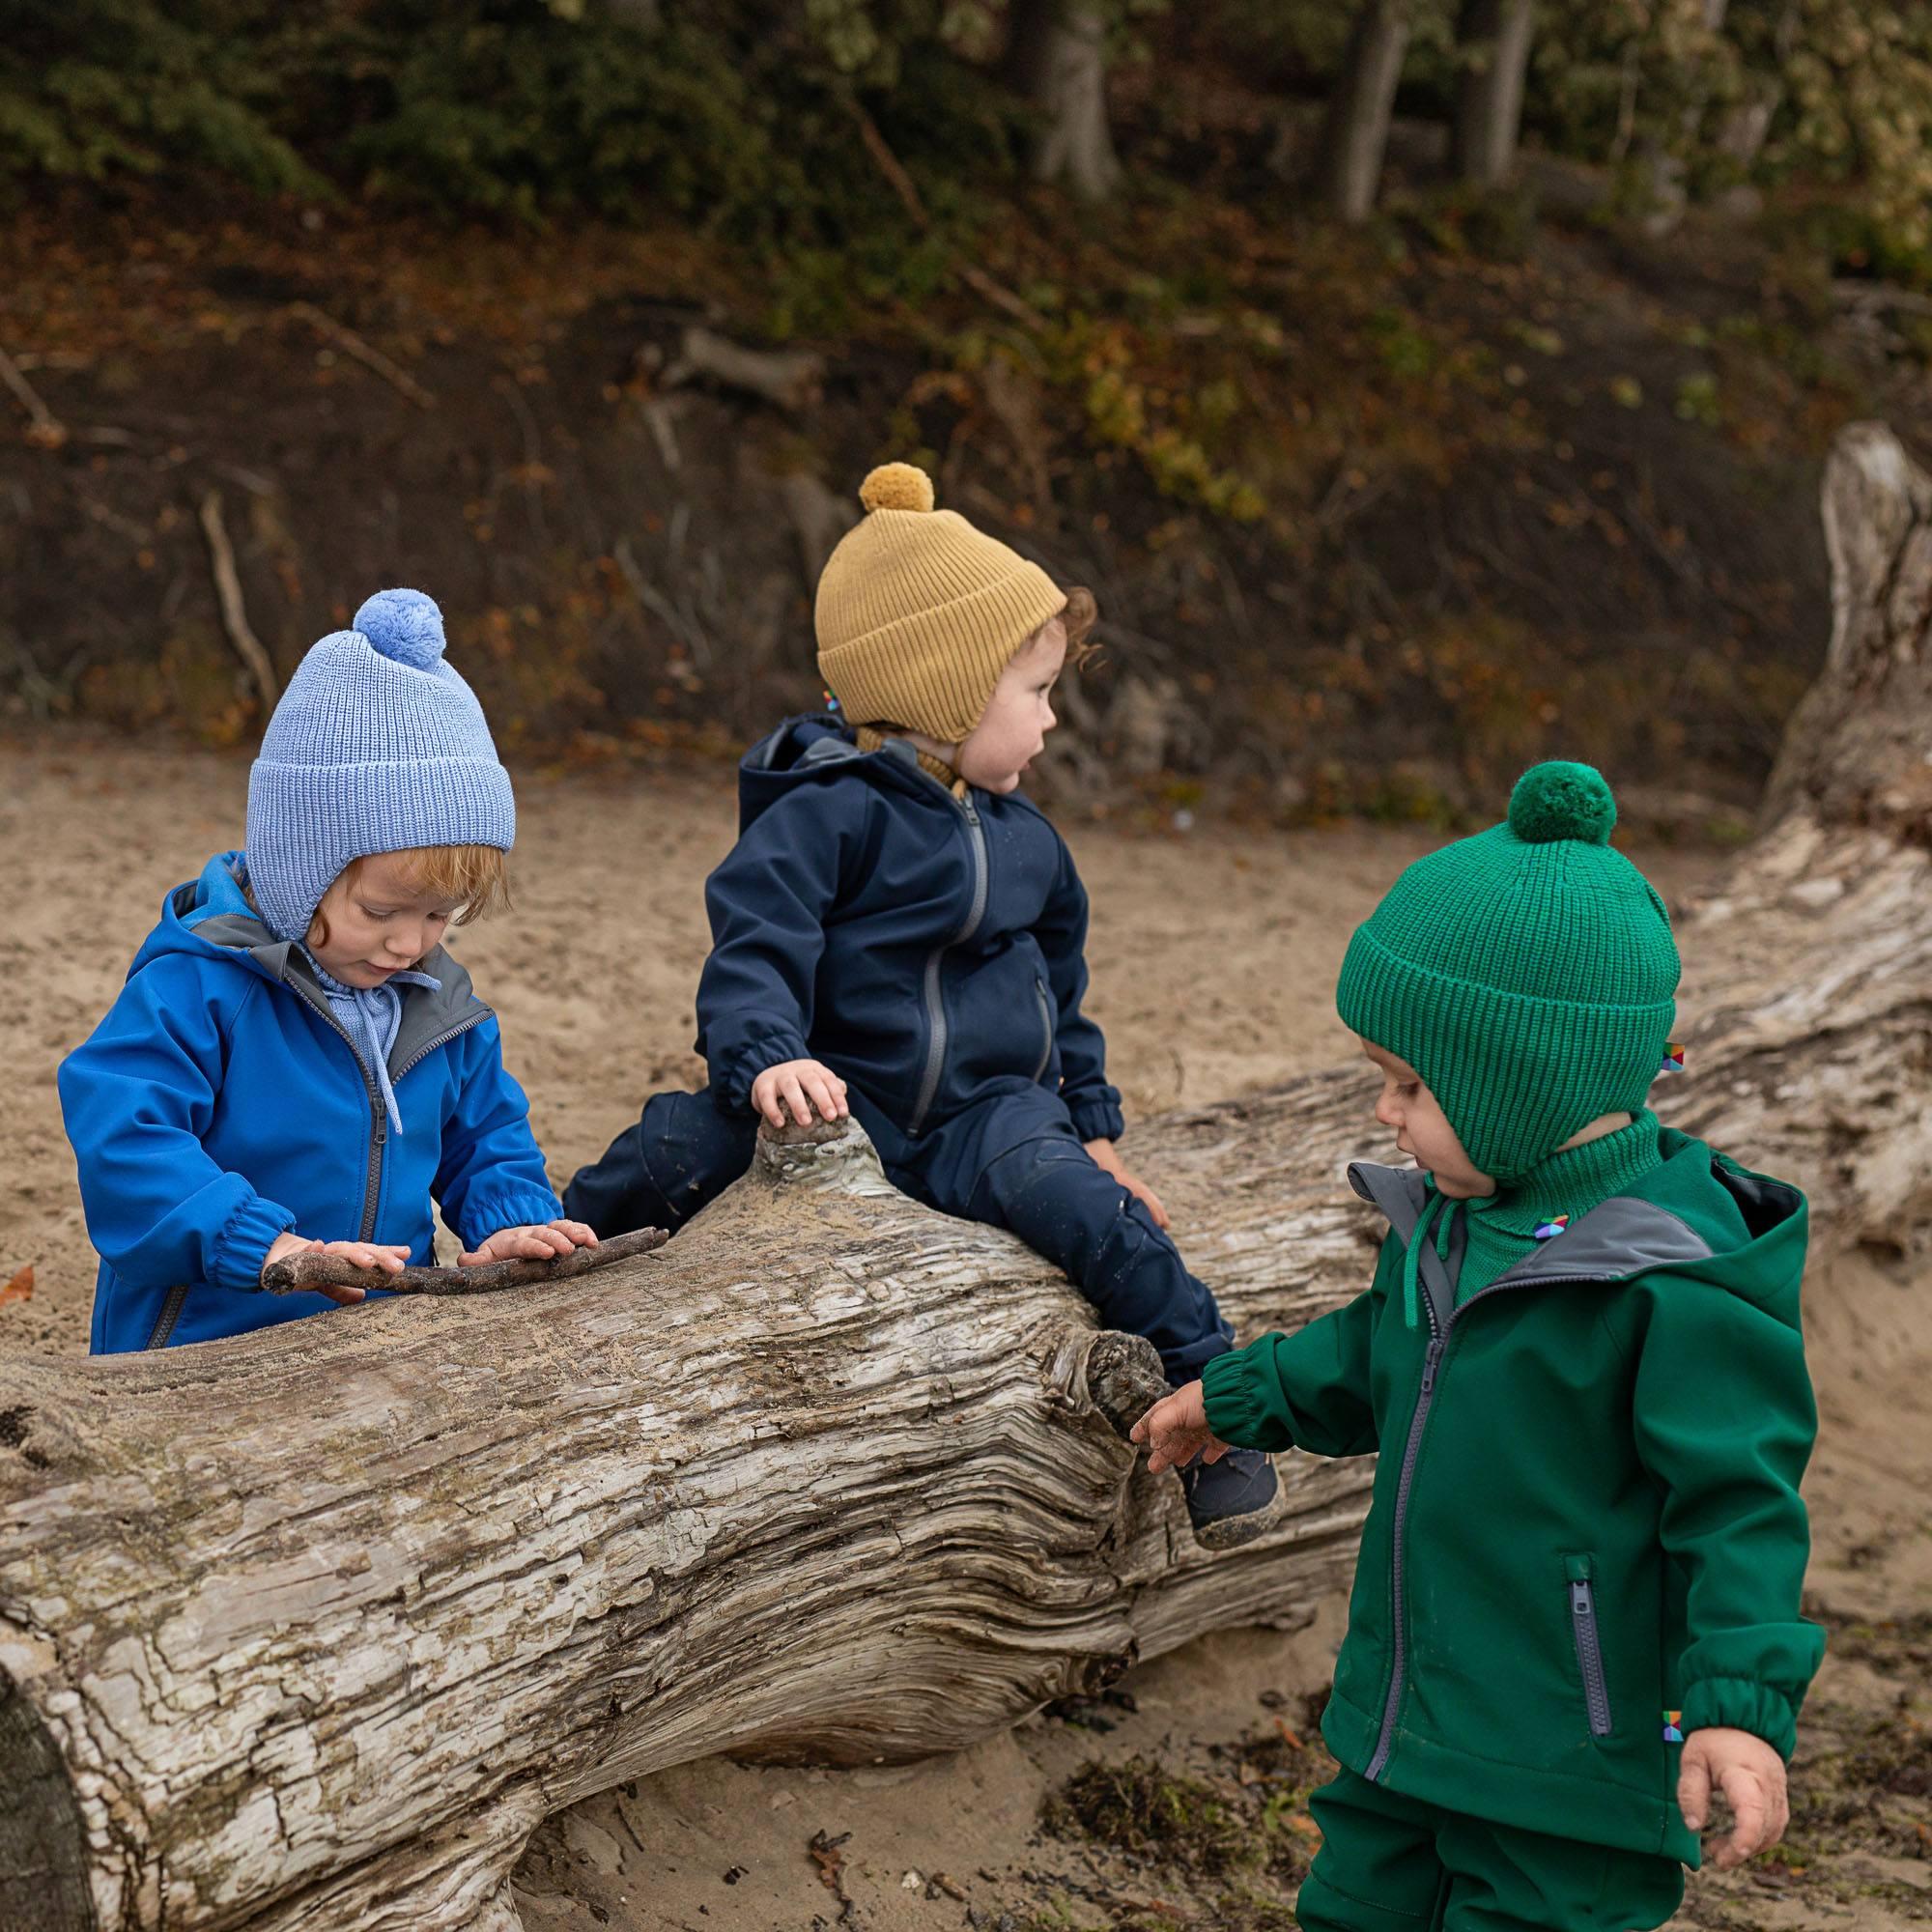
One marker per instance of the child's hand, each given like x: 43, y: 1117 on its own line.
x: 797, y: 1083
x: 378, y: 1258
x: 1105, y: 1158
x: 531, y: 1243
x: 1176, y: 1430
x: 1752, y: 1776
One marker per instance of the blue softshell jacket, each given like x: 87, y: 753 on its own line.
x: 928, y: 947
x: 221, y: 1103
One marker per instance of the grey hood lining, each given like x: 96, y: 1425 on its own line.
x: 1617, y: 1238
x: 428, y: 1012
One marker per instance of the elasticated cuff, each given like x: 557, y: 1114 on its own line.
x: 1231, y: 1389
x: 1739, y: 1703
x: 242, y: 1248
x: 732, y: 1082
x: 520, y: 1204
x: 1097, y: 1119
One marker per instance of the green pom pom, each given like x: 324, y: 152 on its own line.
x: 1560, y: 800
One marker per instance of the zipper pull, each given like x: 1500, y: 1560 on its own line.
x: 1431, y: 1359
x: 380, y: 1129
x: 1579, y: 1599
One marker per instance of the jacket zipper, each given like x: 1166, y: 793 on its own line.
x: 1589, y: 1648
x: 935, y: 997
x: 1046, y: 1029
x: 379, y: 1120
x: 1431, y: 1364
x: 164, y: 1323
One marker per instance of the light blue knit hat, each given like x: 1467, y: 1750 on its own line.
x: 377, y: 746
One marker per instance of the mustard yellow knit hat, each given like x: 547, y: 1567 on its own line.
x: 919, y: 612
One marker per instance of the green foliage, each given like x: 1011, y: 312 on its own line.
x: 96, y: 88
x: 750, y: 116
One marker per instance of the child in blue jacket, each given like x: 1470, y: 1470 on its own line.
x: 900, y: 933
x: 295, y: 1062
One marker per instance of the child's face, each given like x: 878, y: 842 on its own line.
x: 1422, y: 1129
x: 1012, y: 731
x: 377, y: 920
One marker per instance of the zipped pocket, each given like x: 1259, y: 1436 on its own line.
x: 1045, y: 1029
x: 1589, y: 1648
x: 164, y: 1322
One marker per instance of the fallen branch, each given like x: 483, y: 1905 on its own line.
x: 789, y: 377
x: 233, y: 613
x: 1873, y: 298
x: 45, y: 430
x: 352, y: 345
x: 903, y: 186
x: 316, y: 1270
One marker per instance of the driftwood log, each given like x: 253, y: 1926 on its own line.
x: 311, y: 1629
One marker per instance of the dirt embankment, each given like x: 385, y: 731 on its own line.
x: 1564, y: 494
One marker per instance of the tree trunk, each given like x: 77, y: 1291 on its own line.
x: 311, y: 1629
x: 1357, y: 136
x: 1059, y: 59
x: 1493, y: 42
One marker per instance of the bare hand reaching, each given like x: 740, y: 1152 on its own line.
x: 534, y: 1244
x: 1176, y: 1430
x: 801, y: 1085
x: 1749, y: 1774
x: 377, y: 1257
x: 1110, y: 1162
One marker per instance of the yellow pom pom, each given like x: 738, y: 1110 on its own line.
x: 897, y: 486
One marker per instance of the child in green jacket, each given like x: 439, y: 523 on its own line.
x: 1576, y: 1606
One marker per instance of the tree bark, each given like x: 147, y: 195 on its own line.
x: 1059, y: 59
x: 311, y: 1629
x: 1356, y: 137
x: 1493, y: 42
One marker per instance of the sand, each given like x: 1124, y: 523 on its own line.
x: 594, y: 976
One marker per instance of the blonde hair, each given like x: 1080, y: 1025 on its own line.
x: 476, y: 876
x: 1082, y: 613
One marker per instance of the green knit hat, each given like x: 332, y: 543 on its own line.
x: 1527, y: 974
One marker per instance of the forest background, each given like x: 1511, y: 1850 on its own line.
x: 1422, y: 386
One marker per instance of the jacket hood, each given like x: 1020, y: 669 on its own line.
x: 1697, y: 1211
x: 805, y: 749
x: 210, y: 918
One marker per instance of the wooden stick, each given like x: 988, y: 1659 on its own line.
x: 43, y: 427
x: 314, y: 1270
x: 351, y: 344
x: 906, y: 188
x: 228, y: 588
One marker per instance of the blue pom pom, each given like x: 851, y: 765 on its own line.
x: 403, y: 625
x: 1560, y: 800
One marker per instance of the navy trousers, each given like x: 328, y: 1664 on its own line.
x: 1010, y: 1159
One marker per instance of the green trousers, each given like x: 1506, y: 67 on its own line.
x: 1390, y: 1863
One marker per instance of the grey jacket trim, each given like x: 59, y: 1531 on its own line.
x: 829, y: 751
x: 1617, y: 1238
x: 427, y: 1014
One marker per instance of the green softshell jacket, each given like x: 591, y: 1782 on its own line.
x: 1585, y: 1520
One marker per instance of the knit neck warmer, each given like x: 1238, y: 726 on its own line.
x: 872, y: 739
x: 1501, y: 1228
x: 371, y: 1016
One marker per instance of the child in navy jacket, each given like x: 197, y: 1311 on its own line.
x: 295, y: 1062
x: 901, y: 935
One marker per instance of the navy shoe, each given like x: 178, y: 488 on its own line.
x: 1231, y: 1501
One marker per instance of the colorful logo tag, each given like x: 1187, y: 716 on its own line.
x: 1549, y: 1230
x: 1672, y: 1734
x: 1673, y: 1057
